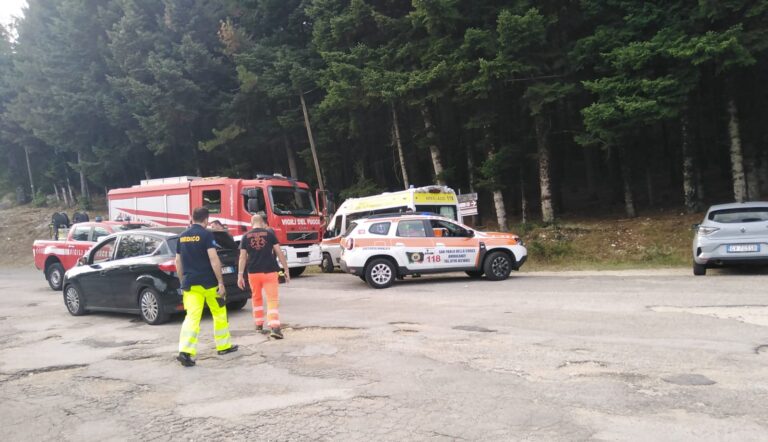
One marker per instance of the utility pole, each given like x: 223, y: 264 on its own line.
x: 320, y: 184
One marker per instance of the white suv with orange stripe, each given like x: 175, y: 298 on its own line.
x: 382, y: 248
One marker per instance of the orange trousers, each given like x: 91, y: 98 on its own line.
x: 268, y: 282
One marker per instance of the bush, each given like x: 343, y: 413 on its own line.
x: 551, y: 250
x: 40, y: 199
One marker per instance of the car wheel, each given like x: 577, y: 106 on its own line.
x: 475, y: 274
x: 497, y: 266
x: 74, y: 301
x: 327, y: 265
x: 54, y: 274
x: 237, y: 305
x: 296, y: 271
x: 699, y: 269
x: 380, y: 273
x: 150, y: 307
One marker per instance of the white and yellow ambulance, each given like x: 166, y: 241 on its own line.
x: 440, y: 200
x: 383, y: 248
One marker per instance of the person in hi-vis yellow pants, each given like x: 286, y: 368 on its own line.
x: 199, y: 269
x: 194, y: 300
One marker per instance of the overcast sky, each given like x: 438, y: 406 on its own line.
x: 9, y: 9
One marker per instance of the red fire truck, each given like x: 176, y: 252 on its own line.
x: 292, y: 212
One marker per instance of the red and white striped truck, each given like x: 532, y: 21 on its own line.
x: 293, y: 212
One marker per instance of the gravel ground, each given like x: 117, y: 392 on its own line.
x: 622, y: 355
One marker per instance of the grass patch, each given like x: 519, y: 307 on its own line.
x: 661, y: 239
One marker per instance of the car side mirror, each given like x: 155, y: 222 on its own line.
x: 695, y: 227
x: 471, y: 233
x: 82, y: 261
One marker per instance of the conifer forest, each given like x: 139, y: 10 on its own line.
x: 544, y: 108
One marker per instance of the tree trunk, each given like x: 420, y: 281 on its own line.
x: 523, y: 199
x: 751, y: 171
x: 72, y: 199
x: 29, y: 172
x: 83, y: 183
x: 544, y: 153
x: 434, y: 151
x: 737, y: 156
x: 320, y: 184
x: 64, y: 196
x: 763, y: 171
x: 56, y: 191
x: 471, y: 171
x: 689, y: 173
x: 399, y: 146
x: 626, y: 178
x: 294, y: 171
x: 501, y: 211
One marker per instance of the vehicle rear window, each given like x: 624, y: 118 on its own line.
x: 740, y: 215
x: 446, y: 211
x: 80, y: 233
x: 380, y: 228
x: 224, y: 240
x: 151, y: 244
x: 130, y: 246
x: 350, y: 229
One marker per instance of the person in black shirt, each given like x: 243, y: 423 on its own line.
x: 199, y: 268
x: 261, y: 250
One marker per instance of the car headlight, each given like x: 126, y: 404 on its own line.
x: 706, y: 230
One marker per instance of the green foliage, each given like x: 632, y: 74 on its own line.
x: 40, y: 199
x: 118, y: 90
x: 363, y: 187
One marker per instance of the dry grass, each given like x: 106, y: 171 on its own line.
x: 661, y: 239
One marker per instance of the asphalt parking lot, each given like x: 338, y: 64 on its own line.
x: 629, y: 355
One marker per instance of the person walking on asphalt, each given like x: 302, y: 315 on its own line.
x: 199, y: 268
x: 260, y: 248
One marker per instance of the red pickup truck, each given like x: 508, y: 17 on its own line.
x: 56, y: 257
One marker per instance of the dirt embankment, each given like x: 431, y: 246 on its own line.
x: 659, y: 239
x: 20, y: 226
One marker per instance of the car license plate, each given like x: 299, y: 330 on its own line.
x: 303, y: 260
x: 227, y: 270
x: 743, y: 248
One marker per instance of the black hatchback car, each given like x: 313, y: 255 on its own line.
x: 135, y: 272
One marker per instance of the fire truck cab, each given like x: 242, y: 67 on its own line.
x: 440, y: 200
x: 292, y: 211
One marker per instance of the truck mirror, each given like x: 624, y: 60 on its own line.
x: 252, y: 193
x: 253, y: 205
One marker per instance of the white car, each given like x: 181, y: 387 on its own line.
x: 731, y: 234
x: 382, y: 248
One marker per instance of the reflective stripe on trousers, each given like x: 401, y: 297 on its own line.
x: 194, y: 301
x: 269, y: 283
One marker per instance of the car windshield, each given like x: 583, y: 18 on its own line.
x: 291, y: 201
x: 740, y: 215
